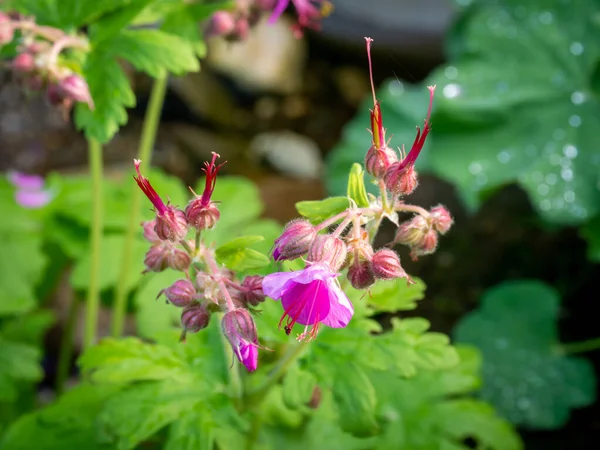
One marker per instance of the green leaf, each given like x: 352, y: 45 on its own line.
x: 356, y: 186
x: 68, y: 423
x: 388, y: 296
x: 525, y: 377
x: 110, y: 267
x: 129, y: 359
x: 111, y: 24
x: 237, y: 243
x: 112, y: 94
x: 591, y: 233
x: 29, y: 328
x: 193, y: 431
x: 243, y: 259
x: 154, y: 52
x: 320, y: 210
x: 18, y: 362
x: 298, y: 387
x: 21, y: 266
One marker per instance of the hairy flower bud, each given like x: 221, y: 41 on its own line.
x: 194, y: 318
x: 149, y: 232
x: 252, y: 294
x: 441, y: 219
x: 379, y: 160
x: 294, y: 240
x: 386, y: 265
x: 6, y: 29
x: 23, y: 63
x: 400, y: 180
x: 328, y: 249
x: 221, y: 23
x: 181, y: 293
x: 239, y: 329
x: 74, y: 87
x: 360, y: 274
x: 200, y: 216
x: 177, y: 258
x: 157, y: 258
x: 426, y: 246
x: 171, y: 225
x: 412, y: 231
x: 56, y: 97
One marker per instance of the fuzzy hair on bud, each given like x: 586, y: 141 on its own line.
x: 413, y: 231
x: 328, y: 249
x: 177, y: 258
x: 149, y: 232
x: 295, y: 240
x: 182, y: 293
x: 252, y: 293
x: 379, y: 160
x: 157, y: 258
x: 172, y: 225
x: 401, y: 180
x: 75, y: 88
x: 360, y: 274
x: 426, y: 246
x: 194, y: 318
x: 386, y: 265
x: 202, y: 217
x: 441, y: 219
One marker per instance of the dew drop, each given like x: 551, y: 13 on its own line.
x: 546, y: 18
x: 543, y: 189
x: 451, y: 72
x: 566, y: 174
x: 558, y: 79
x: 558, y: 203
x: 523, y: 403
x: 570, y: 151
x: 481, y: 179
x: 569, y: 196
x: 558, y: 134
x: 504, y: 157
x: 577, y: 97
x: 475, y: 168
x: 576, y: 48
x: 396, y: 87
x: 545, y: 205
x: 551, y: 179
x: 451, y: 90
x: 574, y: 120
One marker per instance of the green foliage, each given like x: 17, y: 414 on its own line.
x: 516, y: 103
x: 319, y: 210
x: 526, y: 377
x: 356, y: 186
x: 237, y: 255
x: 591, y: 233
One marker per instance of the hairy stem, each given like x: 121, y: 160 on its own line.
x: 149, y: 130
x: 93, y: 294
x: 66, y: 348
x: 403, y: 207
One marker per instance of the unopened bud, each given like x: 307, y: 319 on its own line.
x: 221, y: 23
x: 412, y: 231
x: 74, y: 87
x: 181, y: 293
x: 240, y: 330
x: 401, y: 181
x: 23, y: 63
x: 178, y: 259
x: 378, y: 161
x: 426, y: 246
x: 171, y: 225
x: 328, y: 249
x: 200, y: 216
x: 240, y: 31
x: 441, y: 219
x: 252, y: 294
x: 386, y: 265
x: 6, y: 29
x: 360, y: 274
x: 56, y: 97
x: 149, y: 232
x: 294, y: 240
x: 194, y: 318
x: 156, y: 259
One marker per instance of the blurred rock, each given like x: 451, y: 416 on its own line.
x: 271, y: 59
x: 280, y: 195
x: 353, y: 84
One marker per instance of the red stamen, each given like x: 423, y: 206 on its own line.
x: 376, y: 120
x: 148, y: 190
x: 420, y: 139
x: 211, y: 170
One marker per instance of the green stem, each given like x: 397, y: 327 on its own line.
x: 93, y: 294
x: 66, y: 348
x: 581, y: 347
x: 149, y: 130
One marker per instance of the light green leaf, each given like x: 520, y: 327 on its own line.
x: 19, y: 362
x: 28, y: 328
x: 111, y: 24
x: 320, y: 210
x: 298, y: 387
x: 388, y: 296
x: 243, y: 259
x: 356, y: 186
x: 129, y: 359
x: 525, y: 376
x: 235, y: 244
x: 193, y: 431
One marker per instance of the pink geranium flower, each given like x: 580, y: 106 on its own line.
x: 30, y: 190
x: 309, y: 297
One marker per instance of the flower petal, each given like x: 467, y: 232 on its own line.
x: 248, y: 356
x: 313, y: 272
x: 340, y: 310
x: 274, y: 285
x: 33, y: 199
x: 278, y: 10
x: 25, y: 181
x: 307, y: 304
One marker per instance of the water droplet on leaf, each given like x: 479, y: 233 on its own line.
x: 451, y: 90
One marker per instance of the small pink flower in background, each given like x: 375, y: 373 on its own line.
x: 309, y: 12
x: 309, y: 297
x: 30, y: 190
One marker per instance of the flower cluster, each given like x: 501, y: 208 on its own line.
x: 206, y: 287
x: 38, y: 64
x: 236, y: 24
x: 313, y: 295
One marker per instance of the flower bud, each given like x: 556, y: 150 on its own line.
x: 56, y: 97
x: 328, y: 249
x: 149, y: 233
x: 401, y: 181
x: 194, y: 318
x: 386, y: 265
x: 74, y: 87
x: 441, y: 219
x: 171, y: 225
x: 203, y: 217
x: 156, y: 259
x: 181, y: 293
x: 426, y: 246
x: 178, y: 259
x: 252, y: 293
x: 412, y: 231
x: 360, y: 274
x: 294, y: 240
x: 240, y: 31
x: 378, y: 161
x: 221, y: 23
x: 239, y: 329
x: 6, y: 29
x: 23, y: 63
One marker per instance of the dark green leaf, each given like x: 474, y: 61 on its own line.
x: 591, y: 233
x: 112, y: 23
x: 298, y: 387
x: 356, y: 186
x: 525, y: 376
x: 320, y: 210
